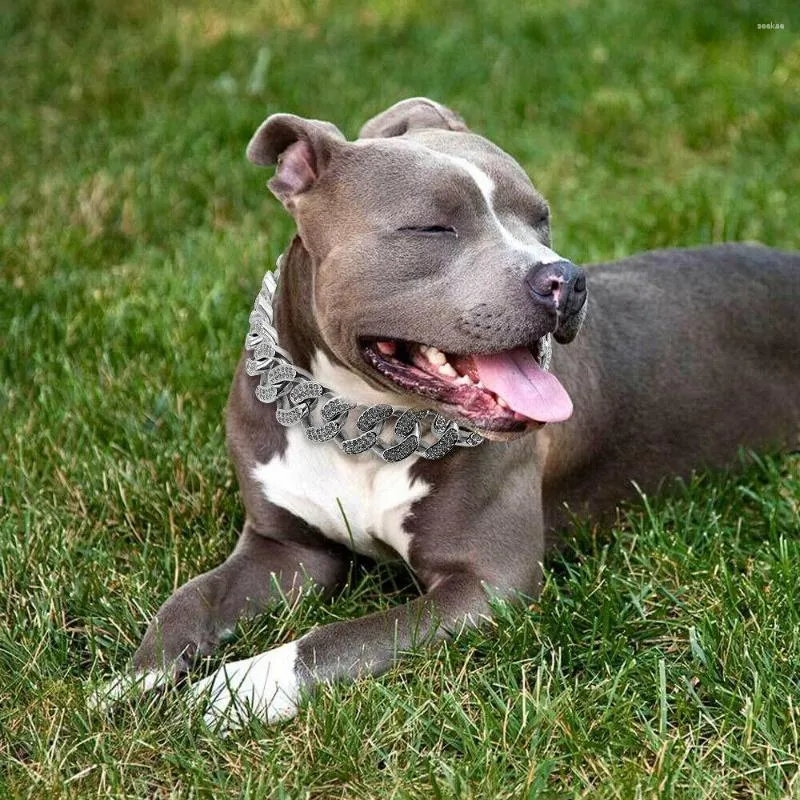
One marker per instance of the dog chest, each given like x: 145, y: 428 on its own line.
x: 361, y: 502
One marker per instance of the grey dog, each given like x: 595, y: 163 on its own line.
x: 422, y: 276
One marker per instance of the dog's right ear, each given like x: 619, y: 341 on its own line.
x: 412, y: 114
x: 300, y: 147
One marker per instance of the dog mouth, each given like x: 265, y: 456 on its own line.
x: 506, y: 391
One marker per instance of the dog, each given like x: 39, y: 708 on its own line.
x: 422, y: 277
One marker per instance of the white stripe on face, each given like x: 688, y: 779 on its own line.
x: 536, y: 250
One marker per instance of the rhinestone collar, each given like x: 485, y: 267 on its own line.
x: 324, y: 415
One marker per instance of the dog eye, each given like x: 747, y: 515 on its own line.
x: 431, y: 230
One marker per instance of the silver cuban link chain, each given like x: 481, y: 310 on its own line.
x: 326, y: 416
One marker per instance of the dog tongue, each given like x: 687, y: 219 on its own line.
x: 515, y: 376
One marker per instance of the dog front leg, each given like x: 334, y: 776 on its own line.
x: 270, y: 685
x: 258, y: 573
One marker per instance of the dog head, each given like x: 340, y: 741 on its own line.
x: 432, y: 279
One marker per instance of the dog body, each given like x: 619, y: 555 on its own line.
x: 421, y: 233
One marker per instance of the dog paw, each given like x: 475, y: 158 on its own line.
x: 125, y: 687
x: 265, y: 686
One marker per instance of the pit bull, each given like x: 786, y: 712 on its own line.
x: 422, y: 276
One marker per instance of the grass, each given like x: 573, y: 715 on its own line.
x: 662, y: 658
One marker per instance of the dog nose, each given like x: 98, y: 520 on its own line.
x: 560, y: 289
x: 560, y: 284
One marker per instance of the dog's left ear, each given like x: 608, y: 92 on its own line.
x: 412, y: 114
x: 301, y: 148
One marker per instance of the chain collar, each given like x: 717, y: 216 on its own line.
x: 324, y: 415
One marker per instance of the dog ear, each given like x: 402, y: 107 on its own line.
x: 412, y: 114
x: 300, y: 147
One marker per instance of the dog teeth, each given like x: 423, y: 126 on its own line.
x: 435, y: 356
x: 387, y: 348
x: 464, y: 380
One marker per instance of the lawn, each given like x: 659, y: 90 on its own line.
x: 662, y: 659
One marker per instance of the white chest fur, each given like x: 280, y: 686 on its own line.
x: 312, y: 479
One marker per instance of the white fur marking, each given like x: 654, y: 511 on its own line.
x: 311, y: 479
x: 539, y: 251
x: 263, y: 686
x: 125, y: 687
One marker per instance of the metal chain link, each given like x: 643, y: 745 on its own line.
x: 324, y: 415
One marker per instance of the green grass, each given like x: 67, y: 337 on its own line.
x: 662, y: 658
